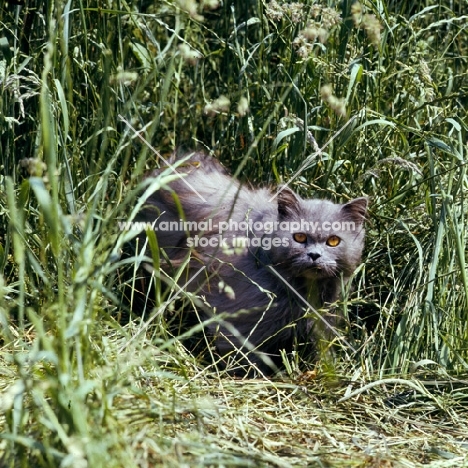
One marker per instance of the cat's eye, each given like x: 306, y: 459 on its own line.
x: 333, y: 241
x: 300, y: 237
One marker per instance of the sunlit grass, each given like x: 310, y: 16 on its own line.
x: 84, y: 383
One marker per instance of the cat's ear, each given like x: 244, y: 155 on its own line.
x: 355, y: 210
x: 288, y: 203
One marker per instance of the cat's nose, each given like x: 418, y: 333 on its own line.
x: 314, y: 255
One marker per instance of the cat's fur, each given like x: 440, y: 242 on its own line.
x: 258, y: 305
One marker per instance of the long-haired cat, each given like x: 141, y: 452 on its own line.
x: 256, y: 257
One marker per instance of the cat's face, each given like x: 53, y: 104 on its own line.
x: 321, y: 239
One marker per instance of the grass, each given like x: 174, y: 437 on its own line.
x: 387, y: 96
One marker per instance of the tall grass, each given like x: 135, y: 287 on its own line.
x: 384, y: 95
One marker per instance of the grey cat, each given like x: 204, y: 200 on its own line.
x: 256, y: 259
